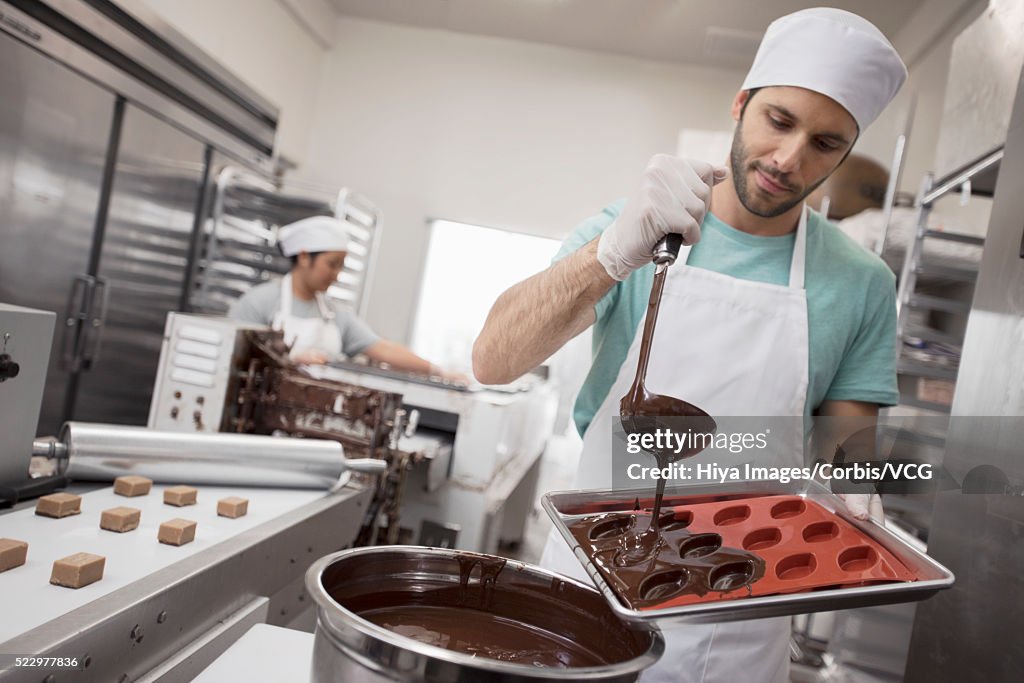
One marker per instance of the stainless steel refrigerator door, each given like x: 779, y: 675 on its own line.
x: 54, y: 129
x: 971, y: 634
x: 156, y: 188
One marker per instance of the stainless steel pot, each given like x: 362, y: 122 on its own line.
x: 351, y: 649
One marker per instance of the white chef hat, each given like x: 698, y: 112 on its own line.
x: 312, y: 235
x: 832, y: 52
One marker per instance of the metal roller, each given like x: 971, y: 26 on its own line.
x: 102, y: 452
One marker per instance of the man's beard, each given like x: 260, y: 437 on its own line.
x: 739, y: 166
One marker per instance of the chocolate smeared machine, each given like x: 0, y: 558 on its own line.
x: 463, y: 461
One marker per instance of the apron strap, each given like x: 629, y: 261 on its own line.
x: 799, y: 262
x: 285, y: 309
x: 325, y: 311
x: 286, y: 300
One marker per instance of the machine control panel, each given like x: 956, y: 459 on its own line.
x: 25, y: 338
x: 195, y: 373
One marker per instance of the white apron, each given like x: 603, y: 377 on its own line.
x: 731, y: 347
x: 304, y: 334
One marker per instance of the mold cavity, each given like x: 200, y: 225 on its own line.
x: 731, y: 576
x: 664, y: 585
x: 699, y: 545
x: 733, y: 515
x: 788, y: 508
x: 796, y: 566
x: 674, y: 520
x: 762, y: 538
x: 820, y: 532
x: 616, y: 526
x: 858, y: 558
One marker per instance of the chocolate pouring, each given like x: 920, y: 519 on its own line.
x: 641, y: 411
x: 649, y: 558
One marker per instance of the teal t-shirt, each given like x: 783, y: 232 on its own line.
x: 851, y: 308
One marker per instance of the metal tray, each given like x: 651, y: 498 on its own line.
x: 560, y: 506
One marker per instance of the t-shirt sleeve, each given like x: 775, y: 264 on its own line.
x: 251, y: 308
x: 356, y: 335
x: 867, y: 371
x: 584, y: 233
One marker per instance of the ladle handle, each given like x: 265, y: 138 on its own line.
x: 667, y: 250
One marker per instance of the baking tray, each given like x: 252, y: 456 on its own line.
x: 565, y: 506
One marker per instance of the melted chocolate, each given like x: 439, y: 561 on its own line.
x: 483, y: 635
x: 641, y: 411
x: 676, y: 563
x: 493, y: 611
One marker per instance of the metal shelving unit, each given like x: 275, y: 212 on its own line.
x: 239, y: 241
x: 931, y: 359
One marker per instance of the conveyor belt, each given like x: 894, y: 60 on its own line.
x: 26, y: 591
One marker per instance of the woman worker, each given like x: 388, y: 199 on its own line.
x: 317, y: 329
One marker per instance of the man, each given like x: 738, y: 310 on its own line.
x: 775, y: 313
x: 317, y: 329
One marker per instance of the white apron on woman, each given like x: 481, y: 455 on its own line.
x: 732, y: 347
x: 304, y: 334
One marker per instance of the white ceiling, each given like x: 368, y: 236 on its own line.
x: 706, y: 32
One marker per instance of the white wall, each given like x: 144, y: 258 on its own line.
x: 265, y: 44
x: 433, y: 124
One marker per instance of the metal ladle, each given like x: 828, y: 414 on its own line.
x: 642, y: 410
x: 639, y: 408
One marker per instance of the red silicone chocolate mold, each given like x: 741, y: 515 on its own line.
x: 805, y: 547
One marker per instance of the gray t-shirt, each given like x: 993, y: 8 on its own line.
x: 261, y: 303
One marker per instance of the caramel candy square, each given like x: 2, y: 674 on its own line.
x: 180, y: 495
x: 80, y: 569
x: 177, y: 532
x: 132, y: 486
x: 12, y: 553
x: 232, y: 506
x: 59, y: 505
x: 120, y: 519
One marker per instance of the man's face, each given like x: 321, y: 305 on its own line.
x: 321, y: 272
x: 787, y: 142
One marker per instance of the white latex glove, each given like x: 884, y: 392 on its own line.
x: 864, y: 505
x: 674, y: 195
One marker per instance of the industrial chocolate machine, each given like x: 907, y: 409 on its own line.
x: 462, y: 461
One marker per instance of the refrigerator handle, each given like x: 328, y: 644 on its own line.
x: 92, y: 323
x: 74, y: 312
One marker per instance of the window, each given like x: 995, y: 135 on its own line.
x: 467, y: 268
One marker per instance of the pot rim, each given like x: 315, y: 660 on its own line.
x: 314, y: 585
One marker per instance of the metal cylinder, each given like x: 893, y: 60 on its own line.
x: 350, y: 648
x: 101, y: 452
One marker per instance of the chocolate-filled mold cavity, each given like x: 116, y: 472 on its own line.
x: 611, y: 528
x: 761, y: 539
x: 731, y: 576
x: 674, y: 520
x: 673, y: 562
x: 858, y: 559
x: 664, y: 585
x: 699, y: 545
x: 795, y: 567
x: 732, y: 515
x: 819, y: 532
x: 788, y: 508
